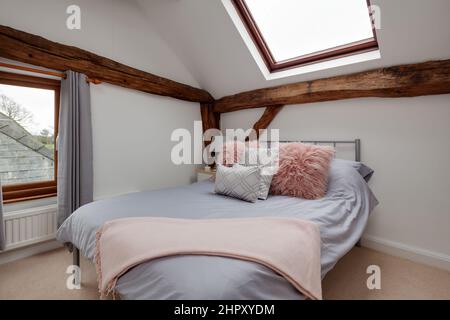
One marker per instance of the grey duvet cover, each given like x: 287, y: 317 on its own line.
x: 341, y: 215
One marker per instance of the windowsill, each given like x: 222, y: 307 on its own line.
x: 29, y: 198
x: 19, y: 212
x: 323, y: 65
x: 13, y: 193
x: 18, y: 206
x: 313, y: 67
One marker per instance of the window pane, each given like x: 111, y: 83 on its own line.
x: 26, y: 134
x: 294, y: 28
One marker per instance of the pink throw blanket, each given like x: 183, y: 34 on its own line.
x: 288, y: 246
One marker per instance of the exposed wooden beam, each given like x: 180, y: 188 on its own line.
x: 210, y: 119
x: 410, y: 80
x: 28, y: 48
x: 269, y: 114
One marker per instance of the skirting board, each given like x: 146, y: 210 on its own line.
x: 415, y: 254
x: 21, y: 253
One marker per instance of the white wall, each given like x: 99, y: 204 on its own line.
x: 132, y: 140
x: 131, y: 129
x: 404, y: 140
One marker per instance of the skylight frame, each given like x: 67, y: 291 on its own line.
x: 272, y: 65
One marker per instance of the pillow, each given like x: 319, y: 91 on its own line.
x: 232, y: 152
x: 265, y: 161
x: 265, y: 181
x: 363, y: 170
x: 238, y: 182
x: 303, y: 170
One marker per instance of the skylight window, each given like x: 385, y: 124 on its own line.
x: 291, y: 33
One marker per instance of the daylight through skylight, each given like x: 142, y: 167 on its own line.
x: 294, y: 29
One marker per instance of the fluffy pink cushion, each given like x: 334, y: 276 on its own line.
x: 303, y: 171
x: 232, y: 152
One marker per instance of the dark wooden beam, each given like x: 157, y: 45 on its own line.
x: 269, y: 114
x: 210, y: 119
x: 428, y: 78
x: 28, y: 48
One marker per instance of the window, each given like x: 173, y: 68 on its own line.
x: 291, y: 33
x: 29, y: 109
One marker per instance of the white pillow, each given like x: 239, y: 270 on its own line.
x: 265, y: 160
x: 238, y: 182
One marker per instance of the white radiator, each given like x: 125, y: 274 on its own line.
x: 30, y: 226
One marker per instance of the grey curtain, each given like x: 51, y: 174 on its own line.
x: 75, y: 181
x: 2, y: 226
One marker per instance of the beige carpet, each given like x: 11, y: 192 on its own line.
x: 43, y: 277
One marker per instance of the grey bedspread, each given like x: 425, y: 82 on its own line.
x: 342, y: 216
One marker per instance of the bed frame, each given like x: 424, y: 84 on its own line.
x: 335, y: 143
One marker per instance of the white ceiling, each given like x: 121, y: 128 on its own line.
x: 202, y: 34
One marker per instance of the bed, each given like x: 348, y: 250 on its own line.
x: 341, y: 216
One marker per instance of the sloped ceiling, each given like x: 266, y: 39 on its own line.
x: 202, y: 34
x: 115, y: 29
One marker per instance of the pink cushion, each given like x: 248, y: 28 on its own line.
x: 232, y: 152
x: 303, y: 171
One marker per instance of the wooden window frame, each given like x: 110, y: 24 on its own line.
x: 358, y: 47
x: 41, y: 189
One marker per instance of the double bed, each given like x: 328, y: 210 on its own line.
x: 341, y: 216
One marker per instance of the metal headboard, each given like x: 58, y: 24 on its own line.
x: 334, y: 143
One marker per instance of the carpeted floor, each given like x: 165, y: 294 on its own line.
x: 43, y: 277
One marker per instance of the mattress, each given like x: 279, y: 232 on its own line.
x: 341, y: 215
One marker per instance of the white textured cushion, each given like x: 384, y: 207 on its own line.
x: 238, y: 182
x: 265, y: 161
